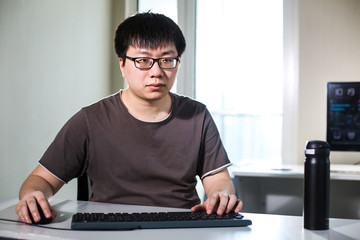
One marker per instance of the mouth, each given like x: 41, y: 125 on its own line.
x: 155, y: 86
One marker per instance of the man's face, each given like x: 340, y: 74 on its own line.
x: 154, y: 83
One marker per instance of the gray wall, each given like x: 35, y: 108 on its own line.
x: 329, y: 51
x: 55, y: 57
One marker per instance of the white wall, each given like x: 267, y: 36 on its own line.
x: 328, y: 50
x: 54, y: 58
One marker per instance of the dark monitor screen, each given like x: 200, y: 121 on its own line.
x: 343, y: 116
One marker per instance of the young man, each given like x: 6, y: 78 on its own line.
x: 143, y: 145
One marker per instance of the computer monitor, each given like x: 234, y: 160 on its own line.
x: 343, y: 116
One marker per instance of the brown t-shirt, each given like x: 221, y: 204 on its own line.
x: 134, y: 162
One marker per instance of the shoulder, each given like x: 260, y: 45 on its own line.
x: 103, y: 105
x: 184, y: 102
x: 186, y: 108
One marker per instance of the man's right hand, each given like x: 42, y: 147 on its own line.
x: 37, y: 189
x: 29, y: 205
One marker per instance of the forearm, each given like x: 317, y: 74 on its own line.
x: 36, y: 183
x: 221, y: 184
x: 221, y: 194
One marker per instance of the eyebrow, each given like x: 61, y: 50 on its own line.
x: 162, y: 54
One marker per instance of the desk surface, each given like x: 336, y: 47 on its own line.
x: 286, y: 171
x: 265, y: 226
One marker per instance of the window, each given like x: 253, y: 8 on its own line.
x: 239, y: 71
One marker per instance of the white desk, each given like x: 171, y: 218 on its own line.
x: 287, y: 171
x: 279, y: 190
x: 264, y: 226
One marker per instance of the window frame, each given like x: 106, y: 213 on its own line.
x: 186, y: 78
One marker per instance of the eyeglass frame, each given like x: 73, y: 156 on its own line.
x: 153, y: 61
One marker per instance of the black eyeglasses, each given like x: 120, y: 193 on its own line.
x: 147, y: 63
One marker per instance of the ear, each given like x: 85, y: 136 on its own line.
x: 122, y: 67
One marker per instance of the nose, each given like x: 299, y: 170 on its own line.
x: 155, y: 70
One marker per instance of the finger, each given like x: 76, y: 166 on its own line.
x: 224, y: 199
x: 53, y: 213
x: 239, y: 206
x: 33, y: 209
x: 23, y: 212
x: 232, y: 203
x: 201, y: 207
x: 45, y: 206
x: 198, y: 208
x: 212, y: 202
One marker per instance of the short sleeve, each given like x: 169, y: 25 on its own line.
x: 66, y: 155
x: 213, y: 156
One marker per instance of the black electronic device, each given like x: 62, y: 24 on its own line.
x: 43, y: 219
x: 343, y: 116
x: 128, y: 221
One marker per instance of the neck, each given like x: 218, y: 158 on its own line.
x: 154, y: 110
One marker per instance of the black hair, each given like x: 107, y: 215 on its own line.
x: 148, y: 30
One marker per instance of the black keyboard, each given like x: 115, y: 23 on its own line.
x: 122, y: 221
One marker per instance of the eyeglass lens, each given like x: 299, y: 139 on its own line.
x: 146, y: 63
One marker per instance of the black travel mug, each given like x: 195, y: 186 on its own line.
x: 316, y: 185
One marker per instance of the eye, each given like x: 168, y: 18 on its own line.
x: 167, y: 60
x: 143, y: 60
